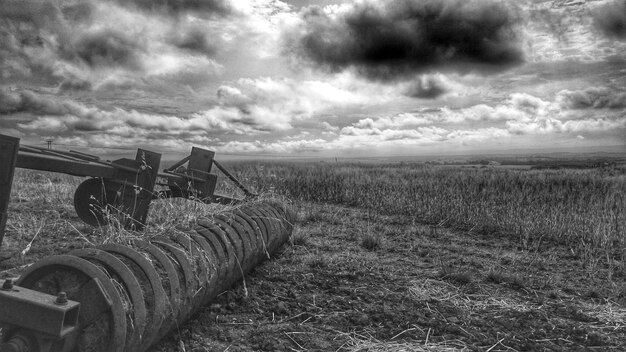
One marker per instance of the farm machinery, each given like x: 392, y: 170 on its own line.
x: 123, y: 297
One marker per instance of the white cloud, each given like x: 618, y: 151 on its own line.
x: 521, y: 114
x: 275, y: 103
x: 276, y: 147
x: 397, y: 121
x: 551, y: 125
x: 328, y: 127
x: 73, y: 117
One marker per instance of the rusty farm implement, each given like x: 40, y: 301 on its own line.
x: 125, y: 297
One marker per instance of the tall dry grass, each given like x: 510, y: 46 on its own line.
x: 585, y: 209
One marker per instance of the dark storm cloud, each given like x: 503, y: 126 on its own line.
x: 74, y: 84
x: 108, y: 48
x: 194, y: 40
x: 394, y: 38
x: 611, y: 19
x: 35, y: 12
x: 22, y: 24
x: 34, y: 33
x: 176, y: 7
x: 596, y: 98
x: 9, y: 103
x: 78, y: 12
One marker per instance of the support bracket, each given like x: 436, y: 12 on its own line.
x: 9, y: 147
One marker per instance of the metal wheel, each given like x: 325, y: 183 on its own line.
x: 92, y: 202
x: 102, y: 319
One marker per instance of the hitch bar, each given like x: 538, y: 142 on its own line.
x: 124, y: 186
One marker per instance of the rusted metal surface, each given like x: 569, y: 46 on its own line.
x: 127, y: 286
x: 185, y: 274
x: 156, y: 301
x: 101, y: 305
x: 263, y: 227
x: 39, y: 312
x: 169, y: 283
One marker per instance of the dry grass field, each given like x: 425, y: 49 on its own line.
x: 392, y: 257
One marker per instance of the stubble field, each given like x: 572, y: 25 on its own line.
x: 393, y: 257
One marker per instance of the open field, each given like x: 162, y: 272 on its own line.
x: 394, y: 257
x: 582, y: 209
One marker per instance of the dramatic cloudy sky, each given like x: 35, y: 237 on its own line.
x: 315, y: 77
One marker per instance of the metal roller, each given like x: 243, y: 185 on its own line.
x: 102, y: 322
x: 261, y: 225
x: 270, y: 220
x: 211, y: 230
x: 155, y: 299
x: 128, y: 288
x: 200, y: 264
x: 241, y: 236
x: 251, y: 235
x: 185, y: 277
x: 235, y: 242
x: 169, y: 281
x: 211, y: 284
x: 123, y: 298
x: 259, y: 234
x: 221, y: 256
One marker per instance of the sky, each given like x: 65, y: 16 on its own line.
x: 315, y: 77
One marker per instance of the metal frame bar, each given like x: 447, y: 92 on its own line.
x: 234, y: 180
x: 9, y: 147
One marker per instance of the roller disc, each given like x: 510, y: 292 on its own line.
x: 224, y: 261
x: 288, y: 216
x: 278, y: 216
x: 169, y: 280
x: 152, y: 289
x: 212, y: 268
x: 236, y: 243
x: 240, y: 232
x: 224, y: 239
x: 262, y: 221
x: 130, y: 286
x: 256, y: 250
x: 282, y: 221
x: 220, y: 236
x: 102, y: 319
x: 258, y: 233
x: 255, y: 216
x: 274, y: 230
x: 187, y: 280
x: 199, y: 264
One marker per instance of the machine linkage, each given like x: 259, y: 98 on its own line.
x: 124, y: 187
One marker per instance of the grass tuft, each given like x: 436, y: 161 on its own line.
x: 299, y: 238
x: 499, y: 277
x: 371, y: 241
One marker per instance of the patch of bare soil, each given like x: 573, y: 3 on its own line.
x: 352, y: 280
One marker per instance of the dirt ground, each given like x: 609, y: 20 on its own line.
x: 351, y: 280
